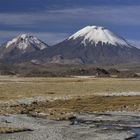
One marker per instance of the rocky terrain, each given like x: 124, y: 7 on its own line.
x: 33, y: 69
x: 111, y: 126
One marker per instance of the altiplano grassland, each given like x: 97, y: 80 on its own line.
x: 84, y: 91
x: 18, y: 87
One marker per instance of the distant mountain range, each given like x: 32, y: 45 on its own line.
x: 90, y: 45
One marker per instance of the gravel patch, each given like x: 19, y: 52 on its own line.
x: 111, y: 126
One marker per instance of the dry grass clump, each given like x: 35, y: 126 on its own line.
x: 93, y: 104
x: 4, y: 130
x: 63, y: 109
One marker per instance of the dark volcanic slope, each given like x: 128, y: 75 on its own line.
x: 101, y: 54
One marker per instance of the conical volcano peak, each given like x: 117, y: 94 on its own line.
x: 24, y: 36
x: 96, y: 34
x: 87, y: 30
x: 24, y: 41
x: 95, y: 27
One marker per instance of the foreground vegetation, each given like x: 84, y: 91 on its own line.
x: 4, y: 130
x: 63, y: 109
x: 84, y: 93
x: 15, y: 87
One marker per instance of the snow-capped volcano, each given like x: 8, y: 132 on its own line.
x: 96, y: 45
x: 25, y: 41
x: 98, y: 34
x: 21, y: 45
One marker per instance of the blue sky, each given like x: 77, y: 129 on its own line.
x: 54, y: 20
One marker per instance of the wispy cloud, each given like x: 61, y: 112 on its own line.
x: 126, y: 15
x: 55, y: 25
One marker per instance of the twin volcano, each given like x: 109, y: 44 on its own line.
x: 90, y: 45
x: 22, y: 44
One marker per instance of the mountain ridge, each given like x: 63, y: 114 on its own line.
x: 23, y: 41
x: 90, y: 45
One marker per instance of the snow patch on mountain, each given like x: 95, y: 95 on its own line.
x: 23, y: 41
x: 96, y: 34
x: 9, y: 43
